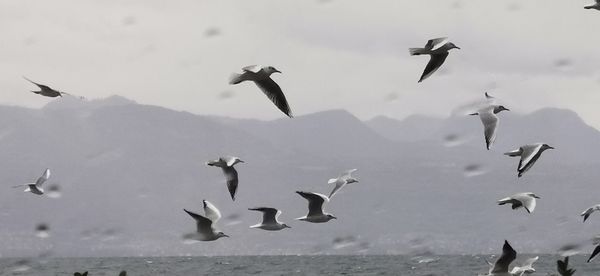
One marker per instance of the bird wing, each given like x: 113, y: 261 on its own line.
x: 203, y: 225
x: 502, y: 264
x: 315, y: 202
x: 251, y: 68
x: 528, y: 154
x: 231, y: 177
x: 434, y: 63
x: 274, y: 93
x: 211, y: 211
x: 434, y: 44
x: 529, y: 262
x: 586, y: 214
x: 490, y: 124
x: 594, y: 253
x: 45, y: 176
x: 338, y: 185
x: 348, y: 173
x: 269, y: 214
x: 514, y: 153
x: 41, y: 86
x: 229, y: 160
x: 527, y: 201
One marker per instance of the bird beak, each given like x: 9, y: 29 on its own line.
x: 457, y: 47
x: 287, y: 226
x: 242, y: 161
x: 277, y: 71
x: 334, y: 218
x: 549, y: 147
x: 506, y: 109
x: 225, y: 235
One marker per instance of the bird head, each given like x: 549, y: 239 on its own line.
x: 500, y: 108
x: 351, y: 180
x: 331, y: 216
x: 286, y: 226
x: 221, y: 235
x: 546, y: 146
x: 270, y: 70
x: 237, y: 160
x: 452, y: 46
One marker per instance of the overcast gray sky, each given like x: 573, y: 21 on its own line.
x: 333, y: 54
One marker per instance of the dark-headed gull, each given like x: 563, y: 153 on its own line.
x: 529, y: 155
x: 525, y: 200
x: 341, y: 181
x: 49, y: 92
x: 490, y: 121
x: 315, y: 208
x: 269, y: 221
x: 205, y: 230
x: 437, y: 49
x: 261, y: 76
x: 231, y: 175
x: 36, y: 188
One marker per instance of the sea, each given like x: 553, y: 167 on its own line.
x: 459, y: 265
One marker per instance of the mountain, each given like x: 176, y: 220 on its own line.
x: 127, y: 170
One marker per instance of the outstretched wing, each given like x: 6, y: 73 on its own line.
x: 211, y: 211
x: 269, y: 214
x: 502, y: 264
x: 274, y: 93
x: 490, y: 124
x: 231, y: 176
x: 434, y: 63
x: 434, y: 44
x: 315, y: 202
x: 45, y: 176
x: 203, y: 225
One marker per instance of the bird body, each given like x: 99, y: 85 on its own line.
x: 525, y: 200
x: 315, y: 208
x: 344, y: 179
x: 529, y: 155
x: 36, y: 188
x: 205, y: 230
x: 269, y: 221
x: 437, y: 49
x: 231, y: 175
x: 261, y: 76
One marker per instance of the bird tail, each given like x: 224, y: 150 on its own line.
x: 416, y: 51
x: 237, y: 78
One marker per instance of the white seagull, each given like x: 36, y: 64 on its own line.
x: 36, y: 188
x: 586, y: 214
x: 529, y: 155
x: 490, y: 121
x: 315, y: 207
x: 437, y: 49
x: 595, y: 6
x: 341, y: 181
x: 525, y: 268
x: 525, y: 200
x: 261, y: 76
x: 500, y: 268
x: 205, y: 230
x: 269, y: 221
x: 231, y: 175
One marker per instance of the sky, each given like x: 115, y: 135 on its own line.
x: 349, y: 55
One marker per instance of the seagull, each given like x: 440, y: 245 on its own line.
x: 342, y: 180
x: 500, y: 268
x: 586, y: 214
x: 261, y: 76
x: 315, y: 207
x: 36, y: 188
x: 525, y: 268
x: 525, y: 200
x: 438, y: 49
x: 231, y: 175
x: 490, y: 121
x: 49, y: 92
x: 270, y: 221
x: 204, y: 224
x: 563, y: 267
x: 80, y: 274
x: 595, y: 6
x: 529, y: 155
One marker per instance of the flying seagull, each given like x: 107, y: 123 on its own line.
x: 525, y: 268
x: 261, y: 76
x: 341, y: 181
x: 586, y: 214
x: 315, y: 208
x: 490, y: 121
x: 437, y: 49
x: 525, y: 200
x: 500, y: 268
x: 49, y: 92
x: 269, y: 221
x: 563, y: 267
x: 595, y: 6
x: 231, y: 175
x: 36, y: 188
x: 80, y: 274
x: 529, y: 155
x: 204, y: 224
